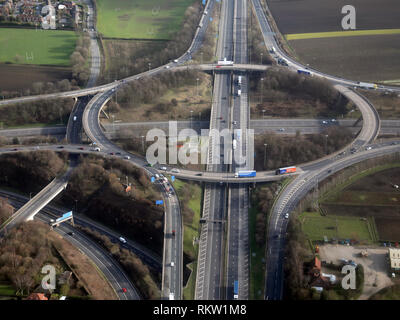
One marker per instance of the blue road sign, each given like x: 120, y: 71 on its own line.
x: 159, y: 201
x: 153, y: 179
x: 172, y: 178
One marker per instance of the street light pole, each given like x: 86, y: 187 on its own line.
x: 263, y: 114
x: 197, y: 86
x: 191, y: 118
x: 149, y: 65
x: 262, y: 90
x: 261, y: 60
x: 265, y: 155
x: 326, y: 144
x: 142, y: 143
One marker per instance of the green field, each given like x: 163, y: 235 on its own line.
x: 315, y: 227
x: 140, y: 19
x: 48, y: 47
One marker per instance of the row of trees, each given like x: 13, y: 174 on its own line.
x: 41, y: 111
x: 263, y: 198
x: 128, y: 59
x: 284, y: 151
x: 137, y: 271
x: 81, y: 69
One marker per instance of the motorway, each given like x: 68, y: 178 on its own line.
x: 210, y: 264
x: 237, y: 262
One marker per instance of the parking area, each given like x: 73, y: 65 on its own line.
x: 376, y: 271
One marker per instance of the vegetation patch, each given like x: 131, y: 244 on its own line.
x: 30, y: 46
x: 284, y: 151
x: 279, y: 93
x: 140, y: 19
x: 190, y: 199
x: 316, y: 227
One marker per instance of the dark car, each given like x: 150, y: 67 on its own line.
x: 71, y: 233
x: 118, y: 153
x: 60, y: 147
x: 81, y: 148
x: 112, y: 153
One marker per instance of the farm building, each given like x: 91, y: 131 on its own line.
x: 394, y: 257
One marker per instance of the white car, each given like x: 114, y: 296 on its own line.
x: 287, y: 216
x: 368, y: 148
x: 281, y: 129
x: 166, y: 67
x: 97, y: 149
x: 175, y: 170
x: 176, y: 60
x: 324, y: 122
x: 122, y: 239
x: 163, y: 168
x: 74, y: 118
x: 127, y: 157
x: 172, y: 263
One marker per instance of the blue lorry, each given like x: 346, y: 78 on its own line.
x: 245, y: 174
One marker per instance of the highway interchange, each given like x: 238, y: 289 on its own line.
x: 223, y: 206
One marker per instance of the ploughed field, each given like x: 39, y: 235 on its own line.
x: 330, y: 49
x: 18, y: 77
x: 368, y: 58
x: 325, y: 15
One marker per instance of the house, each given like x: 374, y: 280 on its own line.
x: 37, y: 296
x: 394, y: 257
x: 320, y: 281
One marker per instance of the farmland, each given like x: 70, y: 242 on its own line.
x: 140, y: 19
x: 322, y: 16
x: 372, y: 197
x: 28, y: 46
x: 16, y: 77
x: 368, y: 58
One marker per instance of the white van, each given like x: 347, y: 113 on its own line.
x: 175, y: 170
x: 122, y: 240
